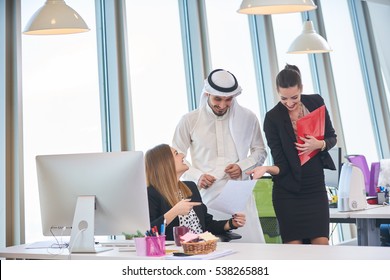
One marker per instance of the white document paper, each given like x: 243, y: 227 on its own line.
x: 233, y: 197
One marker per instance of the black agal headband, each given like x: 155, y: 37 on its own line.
x: 222, y: 89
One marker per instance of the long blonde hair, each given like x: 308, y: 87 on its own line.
x: 161, y: 174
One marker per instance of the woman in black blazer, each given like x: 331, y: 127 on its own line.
x: 177, y: 202
x: 299, y: 194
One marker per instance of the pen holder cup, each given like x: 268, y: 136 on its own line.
x: 382, y: 198
x: 155, y: 246
x: 140, y: 246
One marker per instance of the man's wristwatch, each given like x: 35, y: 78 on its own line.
x: 231, y: 224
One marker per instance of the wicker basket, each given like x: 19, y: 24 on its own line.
x: 199, y: 248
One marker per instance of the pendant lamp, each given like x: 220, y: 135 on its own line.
x: 268, y: 7
x: 55, y: 17
x: 309, y: 41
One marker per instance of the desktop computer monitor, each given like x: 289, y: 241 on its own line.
x: 83, y: 195
x: 332, y: 177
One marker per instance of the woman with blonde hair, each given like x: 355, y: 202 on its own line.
x: 177, y: 202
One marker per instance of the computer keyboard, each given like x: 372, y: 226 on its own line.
x: 117, y: 243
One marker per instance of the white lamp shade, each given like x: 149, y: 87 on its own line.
x: 268, y: 7
x: 309, y: 41
x: 55, y: 17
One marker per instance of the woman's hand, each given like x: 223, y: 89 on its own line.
x: 184, y: 206
x: 239, y: 219
x: 310, y: 143
x: 257, y: 172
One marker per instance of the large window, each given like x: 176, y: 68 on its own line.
x: 286, y: 28
x: 61, y: 110
x: 379, y: 15
x: 158, y: 85
x: 3, y: 113
x: 230, y: 47
x: 351, y: 95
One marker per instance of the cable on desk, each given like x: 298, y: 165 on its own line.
x: 70, y: 248
x: 58, y: 244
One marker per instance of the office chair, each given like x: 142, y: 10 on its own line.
x: 385, y: 234
x: 263, y: 196
x: 228, y: 236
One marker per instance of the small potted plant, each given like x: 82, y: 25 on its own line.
x: 129, y: 236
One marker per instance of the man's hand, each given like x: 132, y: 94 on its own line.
x: 233, y: 170
x: 205, y: 181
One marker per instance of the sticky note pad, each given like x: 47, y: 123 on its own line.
x: 189, y: 236
x: 208, y: 236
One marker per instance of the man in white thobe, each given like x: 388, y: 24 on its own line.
x: 224, y: 140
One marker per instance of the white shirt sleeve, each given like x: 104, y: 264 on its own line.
x: 257, y: 151
x: 181, y: 142
x: 247, y: 135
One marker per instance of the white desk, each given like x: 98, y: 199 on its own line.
x: 243, y: 251
x: 367, y: 222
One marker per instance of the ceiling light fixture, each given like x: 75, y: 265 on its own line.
x: 55, y: 17
x: 309, y: 41
x: 268, y: 7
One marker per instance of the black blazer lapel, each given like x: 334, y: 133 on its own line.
x: 283, y: 113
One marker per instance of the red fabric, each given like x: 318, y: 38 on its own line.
x: 312, y: 124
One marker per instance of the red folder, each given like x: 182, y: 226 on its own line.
x: 312, y: 124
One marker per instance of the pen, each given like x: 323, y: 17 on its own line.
x: 155, y: 230
x: 162, y: 229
